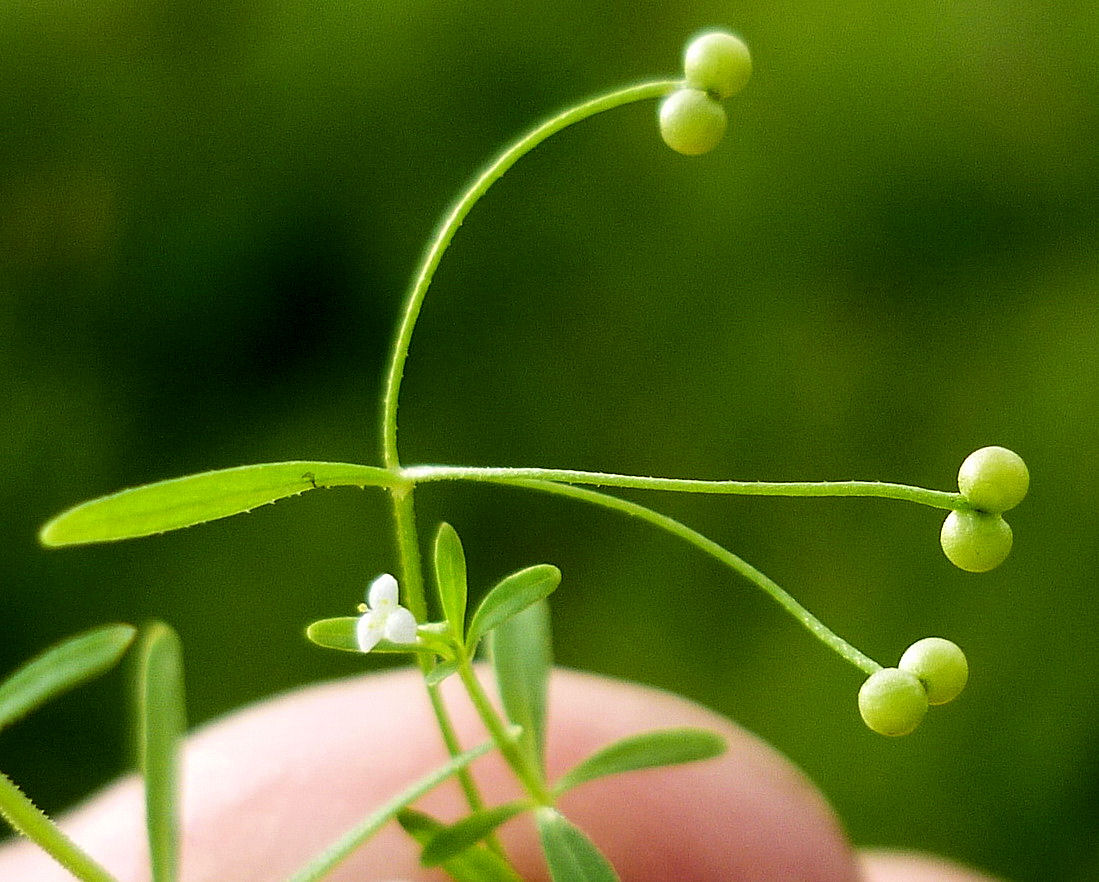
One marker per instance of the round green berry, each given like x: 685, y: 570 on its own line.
x: 940, y: 665
x: 975, y: 541
x: 718, y: 63
x: 691, y: 122
x: 993, y: 479
x: 892, y: 701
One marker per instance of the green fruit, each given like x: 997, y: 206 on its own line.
x: 940, y: 665
x: 691, y: 122
x: 975, y: 540
x: 892, y: 702
x: 718, y: 63
x: 993, y: 479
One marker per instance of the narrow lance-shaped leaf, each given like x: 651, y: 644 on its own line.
x: 449, y: 842
x: 570, y: 855
x: 195, y: 499
x: 476, y: 864
x: 512, y: 595
x: 360, y: 833
x: 339, y: 633
x: 450, y: 576
x: 62, y: 667
x: 161, y: 723
x: 522, y: 655
x: 666, y: 747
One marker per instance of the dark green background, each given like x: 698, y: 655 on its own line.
x: 208, y: 219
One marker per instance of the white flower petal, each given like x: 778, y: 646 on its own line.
x: 400, y: 626
x: 368, y: 631
x: 382, y: 593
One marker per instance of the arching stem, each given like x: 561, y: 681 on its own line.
x: 457, y: 214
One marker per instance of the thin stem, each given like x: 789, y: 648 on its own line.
x: 29, y: 820
x: 461, y: 208
x: 814, y: 625
x: 529, y: 777
x: 415, y: 598
x: 518, y: 476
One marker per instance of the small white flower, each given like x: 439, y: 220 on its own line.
x: 384, y: 616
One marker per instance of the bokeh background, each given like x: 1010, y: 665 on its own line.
x: 208, y: 217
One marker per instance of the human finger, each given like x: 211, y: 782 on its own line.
x: 269, y: 786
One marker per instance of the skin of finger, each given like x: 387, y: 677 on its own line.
x: 896, y: 866
x: 269, y: 786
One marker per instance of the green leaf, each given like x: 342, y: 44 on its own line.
x: 195, y: 499
x: 522, y: 655
x: 339, y: 633
x: 25, y: 817
x: 450, y: 576
x: 62, y: 667
x: 512, y: 595
x: 665, y: 747
x: 440, y: 672
x: 476, y: 864
x: 361, y: 832
x: 161, y: 724
x: 571, y: 856
x: 449, y: 842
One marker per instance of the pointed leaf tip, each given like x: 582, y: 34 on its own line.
x: 664, y: 747
x: 450, y: 576
x: 61, y: 668
x: 511, y: 596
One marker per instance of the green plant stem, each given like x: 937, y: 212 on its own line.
x: 814, y: 625
x: 528, y: 776
x: 29, y: 820
x: 404, y: 513
x: 518, y: 476
x: 415, y: 598
x: 457, y: 214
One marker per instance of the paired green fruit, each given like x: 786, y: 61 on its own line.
x: 992, y: 480
x: 716, y: 65
x: 894, y: 701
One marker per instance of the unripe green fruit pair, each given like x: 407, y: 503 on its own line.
x: 716, y: 65
x: 893, y: 701
x: 992, y: 480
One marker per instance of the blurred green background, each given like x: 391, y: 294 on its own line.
x: 208, y: 218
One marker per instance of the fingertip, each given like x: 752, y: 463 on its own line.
x: 271, y: 785
x: 882, y: 865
